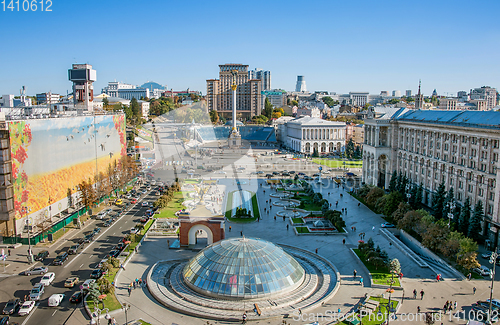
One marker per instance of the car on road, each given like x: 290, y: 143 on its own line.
x: 48, y: 278
x: 387, y: 225
x: 101, y: 263
x: 301, y: 174
x: 96, y: 274
x: 41, y: 256
x: 56, y: 299
x: 86, y: 285
x: 88, y: 238
x: 260, y: 172
x: 71, y: 282
x: 145, y: 204
x: 144, y: 219
x: 101, y: 215
x: 73, y: 249
x: 37, y: 270
x: 120, y: 246
x: 269, y: 175
x: 325, y: 172
x: 486, y: 255
x: 482, y: 270
x: 134, y: 230
x: 220, y: 172
x: 119, y: 202
x: 96, y: 230
x: 76, y: 297
x: 12, y: 306
x: 133, y: 201
x: 60, y: 259
x: 26, y: 308
x: 37, y: 291
x: 276, y: 173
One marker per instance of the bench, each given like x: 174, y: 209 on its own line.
x: 257, y: 309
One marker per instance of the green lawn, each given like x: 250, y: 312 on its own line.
x: 302, y: 230
x: 173, y: 206
x: 110, y: 301
x: 297, y: 220
x: 338, y: 163
x: 380, y: 276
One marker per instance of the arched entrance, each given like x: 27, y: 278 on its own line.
x: 194, y: 229
x: 308, y: 147
x: 381, y: 166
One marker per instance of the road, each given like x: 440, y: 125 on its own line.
x: 80, y: 265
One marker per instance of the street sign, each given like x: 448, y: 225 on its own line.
x: 320, y: 168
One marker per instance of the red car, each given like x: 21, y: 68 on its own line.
x: 134, y: 201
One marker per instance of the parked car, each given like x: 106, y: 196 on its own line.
x: 101, y: 263
x: 12, y: 306
x: 120, y: 246
x: 48, y: 278
x: 37, y: 270
x: 37, y: 291
x: 41, y: 255
x: 316, y: 175
x: 60, y: 259
x: 96, y: 274
x: 269, y: 175
x: 494, y: 302
x: 113, y: 253
x: 285, y: 174
x: 486, y: 255
x: 26, y: 308
x: 276, y: 173
x: 71, y: 282
x: 73, y: 249
x: 76, y: 297
x: 86, y: 285
x: 56, y: 299
x: 307, y: 178
x: 482, y: 270
x: 387, y: 225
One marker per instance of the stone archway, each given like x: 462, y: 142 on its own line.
x: 189, y: 226
x: 381, y: 169
x: 330, y: 147
x: 308, y: 147
x: 323, y: 147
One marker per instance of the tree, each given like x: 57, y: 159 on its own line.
x: 328, y: 101
x: 214, y: 116
x: 438, y: 201
x: 105, y: 103
x: 435, y: 235
x: 413, y: 197
x: 294, y: 103
x: 410, y: 220
x: 374, y: 194
x: 399, y: 214
x: 315, y: 152
x: 463, y: 220
x: 418, y: 196
x: 349, y: 149
x: 276, y: 115
x: 394, y: 181
x: 447, y: 202
x: 393, y: 101
x: 268, y: 109
x: 392, y: 202
x: 467, y: 256
x: 70, y: 197
x: 395, y: 266
x: 135, y: 107
x: 475, y: 222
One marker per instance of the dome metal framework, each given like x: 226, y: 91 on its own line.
x: 241, y: 268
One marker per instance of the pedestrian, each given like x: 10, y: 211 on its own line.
x: 400, y: 275
x: 274, y: 218
x: 129, y: 291
x: 474, y: 290
x: 359, y: 204
x: 373, y: 228
x: 345, y: 210
x: 337, y: 204
x: 229, y: 228
x: 414, y: 293
x: 343, y: 241
x: 134, y: 284
x: 113, y: 321
x: 421, y: 294
x: 469, y: 276
x: 109, y: 320
x: 300, y: 311
x: 135, y: 249
x: 283, y: 218
x: 418, y: 309
x: 241, y: 233
x: 316, y: 251
x: 287, y: 227
x: 244, y: 318
x: 354, y: 273
x: 361, y: 281
x: 9, y: 251
x: 455, y: 305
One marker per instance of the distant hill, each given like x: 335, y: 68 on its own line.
x: 153, y: 85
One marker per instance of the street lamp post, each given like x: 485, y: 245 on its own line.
x: 408, y: 195
x: 451, y: 207
x: 390, y: 295
x: 126, y: 307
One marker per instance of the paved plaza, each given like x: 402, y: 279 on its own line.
x: 154, y: 249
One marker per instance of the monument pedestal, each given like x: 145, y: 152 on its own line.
x: 234, y: 140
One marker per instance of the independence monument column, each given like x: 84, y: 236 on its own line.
x: 234, y: 140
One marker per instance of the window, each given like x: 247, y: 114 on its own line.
x: 490, y: 209
x: 446, y: 147
x: 445, y: 157
x: 459, y: 196
x: 469, y: 188
x: 438, y: 145
x: 481, y: 192
x: 492, y: 196
x: 460, y: 184
x: 451, y: 181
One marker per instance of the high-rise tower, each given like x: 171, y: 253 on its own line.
x: 301, y: 84
x: 82, y: 76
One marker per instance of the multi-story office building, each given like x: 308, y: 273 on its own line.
x: 47, y: 98
x: 459, y: 148
x: 449, y: 104
x: 487, y: 93
x: 263, y: 76
x: 125, y: 91
x: 277, y: 97
x: 300, y: 87
x: 408, y: 93
x: 248, y: 92
x: 359, y: 98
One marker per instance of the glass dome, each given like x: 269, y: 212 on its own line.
x: 243, y: 268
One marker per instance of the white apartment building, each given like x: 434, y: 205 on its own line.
x: 449, y: 104
x: 308, y: 133
x: 125, y: 91
x: 459, y: 148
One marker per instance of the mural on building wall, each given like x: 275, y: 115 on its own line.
x: 51, y: 155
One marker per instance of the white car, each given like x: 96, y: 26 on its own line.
x: 483, y: 270
x: 26, y: 308
x: 134, y: 230
x: 101, y: 215
x: 325, y: 172
x: 48, y: 278
x: 145, y: 204
x: 87, y: 283
x: 220, y: 172
x: 56, y: 299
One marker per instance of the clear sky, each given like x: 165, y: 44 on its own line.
x: 338, y: 46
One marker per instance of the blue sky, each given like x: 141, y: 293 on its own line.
x: 338, y: 46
